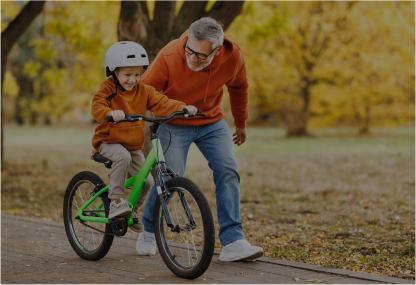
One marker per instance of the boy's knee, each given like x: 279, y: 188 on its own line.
x: 123, y: 157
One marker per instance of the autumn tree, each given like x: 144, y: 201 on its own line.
x: 293, y: 42
x: 154, y: 31
x: 9, y: 37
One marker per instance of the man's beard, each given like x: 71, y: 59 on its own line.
x: 193, y: 68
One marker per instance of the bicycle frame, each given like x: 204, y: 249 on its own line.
x: 137, y: 181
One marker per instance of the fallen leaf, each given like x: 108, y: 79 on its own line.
x: 296, y: 279
x: 28, y: 265
x: 407, y: 272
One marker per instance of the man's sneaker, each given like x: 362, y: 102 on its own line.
x: 137, y: 228
x: 120, y: 209
x: 146, y: 244
x: 240, y: 250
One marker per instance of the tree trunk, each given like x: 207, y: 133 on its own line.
x: 10, y: 36
x: 3, y: 59
x: 297, y: 126
x: 135, y: 25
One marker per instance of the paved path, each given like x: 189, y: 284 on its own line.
x: 35, y: 251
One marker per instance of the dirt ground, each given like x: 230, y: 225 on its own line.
x: 336, y: 200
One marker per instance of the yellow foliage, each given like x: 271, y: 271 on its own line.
x: 9, y: 11
x: 348, y: 63
x: 10, y: 86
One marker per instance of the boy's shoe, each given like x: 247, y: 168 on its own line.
x: 120, y: 209
x: 240, y: 250
x: 146, y: 244
x: 137, y: 228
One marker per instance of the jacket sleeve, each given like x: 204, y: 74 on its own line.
x: 162, y: 105
x: 238, y: 90
x: 100, y: 106
x: 157, y: 74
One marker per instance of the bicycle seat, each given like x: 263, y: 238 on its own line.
x: 102, y: 159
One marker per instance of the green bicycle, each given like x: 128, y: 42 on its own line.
x: 183, y: 222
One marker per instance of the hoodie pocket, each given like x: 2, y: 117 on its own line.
x: 132, y: 135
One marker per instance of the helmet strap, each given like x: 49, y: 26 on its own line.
x: 109, y: 98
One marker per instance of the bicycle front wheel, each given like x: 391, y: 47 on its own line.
x: 87, y: 242
x: 187, y: 251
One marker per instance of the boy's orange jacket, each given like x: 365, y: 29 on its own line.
x: 203, y: 89
x: 136, y: 101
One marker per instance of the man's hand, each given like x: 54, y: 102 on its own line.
x: 93, y: 152
x: 191, y: 109
x: 239, y: 136
x: 118, y: 115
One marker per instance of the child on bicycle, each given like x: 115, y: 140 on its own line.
x: 123, y: 93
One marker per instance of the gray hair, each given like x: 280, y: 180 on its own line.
x: 207, y: 29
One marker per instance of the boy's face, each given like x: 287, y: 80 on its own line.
x: 128, y: 78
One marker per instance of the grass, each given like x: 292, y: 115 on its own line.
x: 336, y: 199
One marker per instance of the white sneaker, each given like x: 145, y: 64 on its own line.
x: 146, y: 244
x: 137, y: 228
x: 240, y: 250
x: 120, y: 209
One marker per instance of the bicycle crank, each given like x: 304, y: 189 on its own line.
x: 119, y: 225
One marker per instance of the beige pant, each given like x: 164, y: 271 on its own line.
x: 124, y: 160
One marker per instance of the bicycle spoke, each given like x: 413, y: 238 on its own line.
x: 89, y: 238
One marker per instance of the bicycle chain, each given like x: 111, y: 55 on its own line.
x: 83, y: 222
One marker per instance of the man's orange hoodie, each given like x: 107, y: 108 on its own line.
x: 203, y: 89
x: 135, y: 101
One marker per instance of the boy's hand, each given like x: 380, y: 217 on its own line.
x: 191, y: 109
x: 239, y: 136
x: 118, y: 115
x: 93, y: 152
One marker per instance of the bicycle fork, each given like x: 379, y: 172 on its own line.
x: 164, y: 195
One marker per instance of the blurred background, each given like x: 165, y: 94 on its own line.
x: 328, y: 169
x: 310, y: 65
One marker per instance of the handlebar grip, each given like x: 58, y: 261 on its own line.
x: 109, y: 119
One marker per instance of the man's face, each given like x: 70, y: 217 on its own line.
x: 129, y: 77
x: 202, y: 47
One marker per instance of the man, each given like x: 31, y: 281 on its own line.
x: 193, y: 69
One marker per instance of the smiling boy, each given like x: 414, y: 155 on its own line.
x: 123, y: 93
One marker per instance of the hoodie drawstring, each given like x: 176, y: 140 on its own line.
x: 206, y: 92
x: 176, y: 83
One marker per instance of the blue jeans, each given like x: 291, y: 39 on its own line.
x: 216, y: 144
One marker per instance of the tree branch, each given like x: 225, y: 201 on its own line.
x: 225, y: 12
x: 19, y: 25
x: 133, y: 22
x: 189, y: 13
x: 163, y: 18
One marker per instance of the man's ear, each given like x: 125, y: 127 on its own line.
x: 218, y: 51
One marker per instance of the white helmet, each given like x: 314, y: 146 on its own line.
x: 125, y: 54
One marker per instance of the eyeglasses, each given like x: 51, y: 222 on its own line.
x: 199, y: 55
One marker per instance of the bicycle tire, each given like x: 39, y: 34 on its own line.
x: 173, y: 245
x: 79, y: 236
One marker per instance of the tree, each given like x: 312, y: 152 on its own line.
x: 153, y: 32
x: 9, y: 37
x: 296, y: 39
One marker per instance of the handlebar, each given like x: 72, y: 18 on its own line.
x: 138, y: 117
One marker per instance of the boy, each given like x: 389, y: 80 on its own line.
x: 122, y: 143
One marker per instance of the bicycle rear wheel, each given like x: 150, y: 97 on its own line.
x: 188, y: 252
x: 87, y: 242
